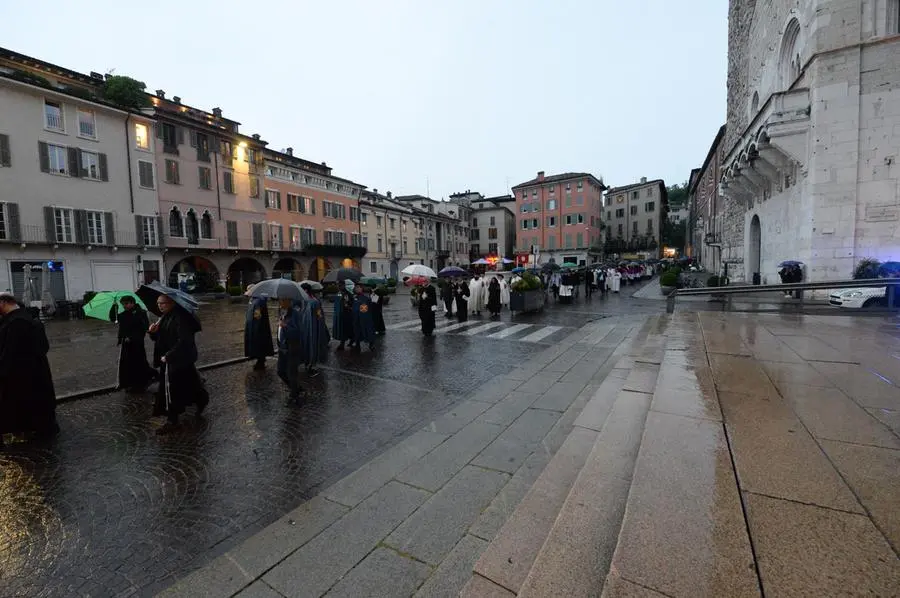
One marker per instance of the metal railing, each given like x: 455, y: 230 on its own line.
x: 891, y: 285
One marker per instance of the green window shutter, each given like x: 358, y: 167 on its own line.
x: 14, y: 225
x: 104, y: 169
x: 44, y: 156
x: 179, y: 134
x: 109, y: 225
x: 50, y: 224
x: 81, y: 233
x: 5, y: 158
x: 159, y: 130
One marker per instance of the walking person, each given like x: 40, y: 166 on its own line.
x: 134, y: 373
x: 363, y: 321
x: 461, y: 293
x: 315, y: 333
x: 290, y: 346
x: 427, y: 308
x: 258, y: 333
x: 377, y: 312
x: 342, y: 320
x: 27, y: 396
x: 175, y: 354
x: 447, y: 295
x: 494, y: 303
x: 588, y: 283
x: 476, y: 291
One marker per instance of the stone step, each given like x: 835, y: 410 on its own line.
x: 683, y: 532
x: 505, y: 564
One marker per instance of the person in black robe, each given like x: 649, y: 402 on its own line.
x: 427, y: 308
x: 290, y: 346
x: 315, y: 333
x: 461, y: 292
x: 588, y: 283
x: 258, y: 333
x: 27, y: 396
x: 175, y: 354
x: 342, y: 320
x: 494, y: 303
x: 447, y: 293
x: 135, y: 373
x: 363, y: 321
x: 377, y: 312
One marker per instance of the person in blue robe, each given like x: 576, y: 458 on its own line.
x: 315, y: 337
x: 290, y: 346
x: 258, y: 333
x: 342, y: 320
x: 363, y: 322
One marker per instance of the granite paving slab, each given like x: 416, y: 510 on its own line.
x: 520, y: 439
x: 382, y: 574
x: 455, y: 570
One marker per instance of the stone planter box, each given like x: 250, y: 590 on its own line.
x: 526, y: 301
x: 666, y: 290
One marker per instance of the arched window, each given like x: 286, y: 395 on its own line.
x: 754, y: 105
x: 789, y: 58
x: 176, y: 224
x: 193, y: 227
x: 206, y: 226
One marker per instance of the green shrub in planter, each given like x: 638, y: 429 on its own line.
x: 676, y: 270
x: 392, y: 282
x: 218, y: 289
x: 669, y: 279
x: 712, y: 281
x: 529, y: 282
x: 234, y: 291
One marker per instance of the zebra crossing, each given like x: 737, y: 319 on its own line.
x: 525, y: 333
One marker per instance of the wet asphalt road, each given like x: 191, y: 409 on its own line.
x: 110, y: 508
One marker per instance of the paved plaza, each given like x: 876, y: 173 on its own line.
x: 602, y: 446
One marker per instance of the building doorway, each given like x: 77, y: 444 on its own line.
x: 754, y: 255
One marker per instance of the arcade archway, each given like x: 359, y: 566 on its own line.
x: 754, y: 255
x: 195, y: 274
x: 288, y: 268
x: 245, y: 271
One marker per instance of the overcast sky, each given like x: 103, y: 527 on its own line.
x: 418, y: 96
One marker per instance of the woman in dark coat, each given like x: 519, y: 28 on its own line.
x: 427, y: 308
x: 175, y: 354
x: 494, y: 304
x: 27, y: 396
x: 342, y: 320
x: 447, y: 297
x: 461, y: 292
x: 134, y: 371
x: 258, y: 333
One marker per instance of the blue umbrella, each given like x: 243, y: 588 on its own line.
x: 149, y: 293
x: 790, y: 263
x: 452, y: 272
x: 518, y: 270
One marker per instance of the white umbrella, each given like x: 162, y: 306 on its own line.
x: 278, y: 288
x: 418, y: 270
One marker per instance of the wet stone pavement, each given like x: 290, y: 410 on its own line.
x: 109, y: 508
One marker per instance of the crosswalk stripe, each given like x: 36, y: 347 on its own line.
x: 510, y: 331
x: 458, y: 326
x: 483, y: 328
x: 540, y: 334
x: 401, y: 325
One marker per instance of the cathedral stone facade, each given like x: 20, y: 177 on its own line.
x: 810, y: 169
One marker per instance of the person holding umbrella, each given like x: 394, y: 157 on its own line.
x: 290, y: 345
x: 461, y: 292
x: 134, y: 372
x: 342, y: 321
x: 258, y: 333
x: 175, y: 354
x: 315, y: 333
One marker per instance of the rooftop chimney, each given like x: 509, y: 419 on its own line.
x: 643, y: 179
x: 389, y: 195
x: 375, y: 191
x: 96, y: 75
x: 289, y: 151
x: 217, y: 112
x: 324, y: 165
x: 161, y: 93
x: 176, y: 99
x: 540, y: 175
x: 256, y: 136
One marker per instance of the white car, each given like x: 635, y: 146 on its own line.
x: 858, y: 298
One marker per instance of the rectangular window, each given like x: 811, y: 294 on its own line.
x: 609, y: 215
x: 169, y: 135
x: 365, y: 241
x: 580, y: 218
x: 620, y: 213
x: 634, y: 195
x: 142, y: 136
x: 308, y: 236
x: 4, y: 229
x: 620, y: 230
x: 551, y: 204
x: 275, y: 235
x: 57, y: 161
x: 365, y: 217
x: 273, y: 199
x: 53, y: 116
x: 551, y: 221
x: 492, y: 233
x: 86, y: 124
x: 580, y: 185
x: 634, y: 228
x: 172, y: 172
x: 650, y: 192
x: 380, y: 245
x: 579, y: 200
x: 373, y: 267
x: 492, y: 248
x: 254, y: 185
x: 634, y: 210
x: 205, y: 175
x: 148, y: 232
x: 228, y: 177
x: 145, y: 174
x: 64, y: 226
x: 231, y: 233
x: 378, y: 221
x: 568, y: 240
x: 579, y: 240
x: 552, y: 190
x: 90, y: 165
x: 493, y: 221
x: 525, y: 224
x: 535, y: 223
x: 95, y: 221
x: 257, y: 234
x: 393, y: 223
x: 650, y: 206
x: 354, y: 214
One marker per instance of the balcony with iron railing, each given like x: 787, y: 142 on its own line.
x: 54, y: 121
x: 30, y: 234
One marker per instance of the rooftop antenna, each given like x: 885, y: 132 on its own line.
x: 427, y: 188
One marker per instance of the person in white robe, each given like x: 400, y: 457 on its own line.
x: 616, y: 281
x: 476, y: 295
x: 504, y: 291
x: 610, y: 276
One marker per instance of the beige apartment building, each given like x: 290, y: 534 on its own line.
x: 74, y: 216
x: 492, y: 235
x: 446, y: 233
x: 393, y: 234
x: 634, y: 218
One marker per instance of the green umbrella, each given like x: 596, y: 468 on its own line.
x: 101, y: 306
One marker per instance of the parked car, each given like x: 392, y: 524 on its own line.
x: 859, y: 298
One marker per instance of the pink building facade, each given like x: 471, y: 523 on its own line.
x: 559, y: 218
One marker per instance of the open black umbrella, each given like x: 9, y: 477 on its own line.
x: 342, y: 274
x: 148, y: 293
